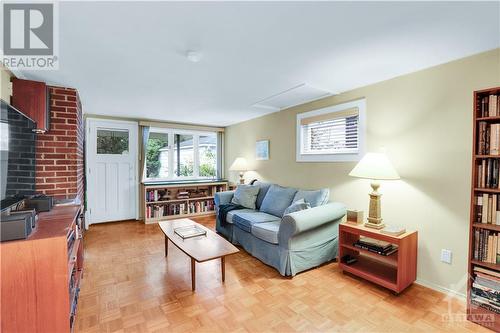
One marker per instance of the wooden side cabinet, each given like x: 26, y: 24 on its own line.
x: 395, y: 272
x: 32, y: 99
x: 40, y: 275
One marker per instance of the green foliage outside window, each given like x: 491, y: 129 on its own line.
x: 207, y: 169
x: 112, y: 142
x: 153, y: 163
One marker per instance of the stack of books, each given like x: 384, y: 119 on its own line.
x: 488, y: 139
x: 488, y: 209
x: 486, y: 289
x: 486, y: 246
x: 183, y: 195
x: 490, y: 106
x: 375, y: 246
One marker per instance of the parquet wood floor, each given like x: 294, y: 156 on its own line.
x: 129, y: 286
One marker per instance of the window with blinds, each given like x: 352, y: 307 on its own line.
x: 330, y: 134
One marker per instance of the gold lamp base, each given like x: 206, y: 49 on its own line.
x: 374, y: 213
x: 377, y: 226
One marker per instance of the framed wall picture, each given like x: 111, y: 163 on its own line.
x: 262, y: 150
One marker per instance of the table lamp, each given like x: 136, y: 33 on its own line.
x: 375, y: 166
x: 240, y: 164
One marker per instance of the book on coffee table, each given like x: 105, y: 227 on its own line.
x: 190, y: 231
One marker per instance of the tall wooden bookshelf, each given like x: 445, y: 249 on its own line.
x: 483, y: 226
x: 172, y: 200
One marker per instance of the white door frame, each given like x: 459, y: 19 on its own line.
x: 134, y: 140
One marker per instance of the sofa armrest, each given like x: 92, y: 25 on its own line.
x: 223, y: 197
x: 309, y: 219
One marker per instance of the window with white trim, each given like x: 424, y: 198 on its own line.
x: 335, y: 133
x: 180, y: 154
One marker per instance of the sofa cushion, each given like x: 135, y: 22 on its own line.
x: 297, y: 206
x: 267, y: 231
x: 230, y: 215
x: 277, y: 199
x: 245, y: 220
x: 246, y: 195
x: 315, y: 198
x: 264, y: 187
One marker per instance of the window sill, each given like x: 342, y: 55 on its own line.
x: 182, y: 181
x: 328, y: 157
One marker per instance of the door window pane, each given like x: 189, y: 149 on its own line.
x: 207, y: 149
x: 112, y: 141
x: 157, y: 156
x: 183, y: 155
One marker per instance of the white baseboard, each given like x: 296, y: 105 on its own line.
x: 441, y: 289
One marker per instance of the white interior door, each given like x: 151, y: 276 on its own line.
x: 112, y: 148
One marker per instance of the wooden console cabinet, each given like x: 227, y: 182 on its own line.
x: 40, y: 275
x: 395, y: 272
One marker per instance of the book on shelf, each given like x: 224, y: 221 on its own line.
x: 489, y: 106
x: 485, y: 291
x: 487, y: 207
x: 488, y: 139
x: 156, y: 195
x: 486, y: 246
x: 375, y: 246
x: 493, y: 106
x: 488, y: 174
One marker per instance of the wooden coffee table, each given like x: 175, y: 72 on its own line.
x: 199, y: 249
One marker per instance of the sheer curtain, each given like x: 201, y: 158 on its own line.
x: 144, y: 145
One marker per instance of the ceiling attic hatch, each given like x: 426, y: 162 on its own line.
x: 297, y: 95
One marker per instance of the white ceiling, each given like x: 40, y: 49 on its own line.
x: 128, y: 58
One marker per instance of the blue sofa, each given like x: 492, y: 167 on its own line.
x: 291, y: 243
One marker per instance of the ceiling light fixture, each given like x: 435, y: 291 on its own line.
x: 194, y: 56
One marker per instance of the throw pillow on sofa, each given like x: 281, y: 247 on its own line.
x: 246, y: 195
x: 315, y: 198
x: 264, y: 187
x: 297, y: 206
x: 277, y: 199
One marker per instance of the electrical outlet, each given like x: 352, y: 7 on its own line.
x: 446, y: 256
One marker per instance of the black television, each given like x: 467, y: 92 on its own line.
x: 17, y: 155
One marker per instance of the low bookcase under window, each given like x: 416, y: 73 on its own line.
x: 483, y: 288
x: 164, y: 201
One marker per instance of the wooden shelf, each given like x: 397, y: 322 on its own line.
x: 390, y: 259
x: 487, y: 190
x: 202, y: 198
x: 374, y: 271
x: 487, y: 226
x: 495, y: 267
x: 395, y: 272
x: 73, y: 256
x: 476, y: 313
x: 486, y: 156
x: 206, y: 188
x: 165, y: 201
x: 497, y: 118
x: 177, y: 200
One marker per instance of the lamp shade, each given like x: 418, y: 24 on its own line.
x: 375, y: 166
x: 239, y: 164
